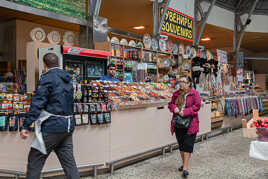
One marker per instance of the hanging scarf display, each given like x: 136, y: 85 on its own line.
x: 242, y: 106
x: 213, y: 82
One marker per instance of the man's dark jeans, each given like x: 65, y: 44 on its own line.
x: 62, y: 144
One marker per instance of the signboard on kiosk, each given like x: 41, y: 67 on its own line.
x: 177, y: 24
x: 222, y: 56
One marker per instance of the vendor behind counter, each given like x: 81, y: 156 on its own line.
x: 110, y: 74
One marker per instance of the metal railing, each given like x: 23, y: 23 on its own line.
x: 112, y: 163
x: 14, y: 173
x: 90, y: 165
x: 18, y: 174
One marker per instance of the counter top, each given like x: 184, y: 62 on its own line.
x: 146, y: 105
x: 142, y: 105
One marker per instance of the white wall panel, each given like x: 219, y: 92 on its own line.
x: 184, y: 6
x: 259, y: 23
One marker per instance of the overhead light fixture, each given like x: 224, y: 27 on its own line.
x: 139, y: 27
x: 206, y: 39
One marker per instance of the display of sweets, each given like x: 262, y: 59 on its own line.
x: 14, y: 102
x: 12, y: 121
x: 12, y: 111
x: 93, y: 106
x: 75, y: 70
x: 92, y: 93
x: 8, y: 87
x: 135, y: 93
x: 93, y: 113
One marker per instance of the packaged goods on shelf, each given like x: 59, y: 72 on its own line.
x: 12, y: 111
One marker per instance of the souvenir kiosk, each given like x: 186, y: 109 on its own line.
x: 110, y: 124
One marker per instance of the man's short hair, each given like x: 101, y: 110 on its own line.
x: 110, y: 66
x: 51, y: 60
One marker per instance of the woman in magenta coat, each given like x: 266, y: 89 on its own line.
x: 185, y: 102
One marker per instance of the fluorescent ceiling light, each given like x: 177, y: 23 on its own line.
x: 139, y: 27
x: 206, y: 39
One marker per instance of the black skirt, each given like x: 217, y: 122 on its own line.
x: 185, y: 141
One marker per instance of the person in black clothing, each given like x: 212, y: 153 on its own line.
x: 51, y: 111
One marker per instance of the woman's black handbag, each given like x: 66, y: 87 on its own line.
x: 181, y: 122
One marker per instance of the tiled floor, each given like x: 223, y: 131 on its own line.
x: 221, y: 157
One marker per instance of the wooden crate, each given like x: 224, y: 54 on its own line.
x: 216, y: 125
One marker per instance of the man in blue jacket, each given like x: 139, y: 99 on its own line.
x: 51, y: 111
x: 111, y: 70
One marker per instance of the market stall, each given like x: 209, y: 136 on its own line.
x: 114, y: 120
x: 118, y: 119
x: 212, y: 75
x: 126, y: 135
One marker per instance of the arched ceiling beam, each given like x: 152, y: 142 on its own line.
x: 204, y: 16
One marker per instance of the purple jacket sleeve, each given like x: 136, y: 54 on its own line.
x: 171, y: 104
x: 193, y: 110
